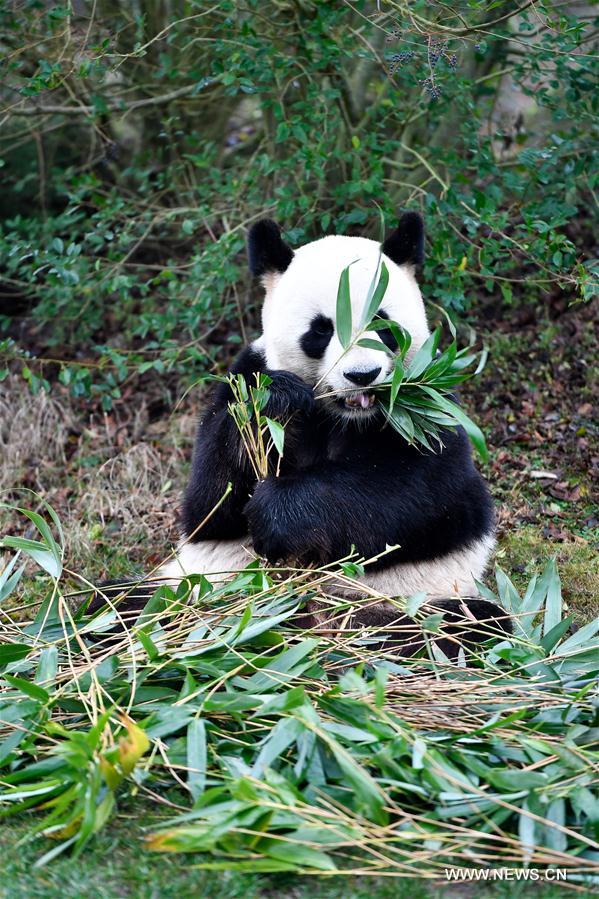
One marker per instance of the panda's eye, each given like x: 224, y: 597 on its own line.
x: 386, y: 334
x: 322, y: 326
x: 316, y: 339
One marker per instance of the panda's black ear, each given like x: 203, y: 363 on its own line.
x: 267, y: 251
x: 406, y: 245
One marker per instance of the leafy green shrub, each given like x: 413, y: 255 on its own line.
x: 137, y: 148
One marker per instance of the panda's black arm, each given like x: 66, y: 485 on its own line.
x: 217, y: 462
x: 219, y: 457
x: 318, y: 515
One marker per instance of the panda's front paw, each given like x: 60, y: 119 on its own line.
x: 271, y: 547
x: 282, y: 524
x: 268, y: 522
x: 288, y: 394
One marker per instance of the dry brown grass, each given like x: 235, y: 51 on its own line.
x: 34, y: 431
x: 115, y: 481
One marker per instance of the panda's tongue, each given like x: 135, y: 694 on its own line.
x: 360, y: 400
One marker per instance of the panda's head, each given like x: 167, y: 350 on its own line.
x: 298, y: 317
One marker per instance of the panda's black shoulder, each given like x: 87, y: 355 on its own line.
x: 455, y: 451
x: 249, y: 361
x: 448, y: 474
x: 443, y: 493
x: 448, y: 467
x: 382, y: 440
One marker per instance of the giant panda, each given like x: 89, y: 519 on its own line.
x: 347, y: 479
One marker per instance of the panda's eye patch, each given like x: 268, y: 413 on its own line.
x: 322, y: 326
x: 386, y: 334
x: 316, y: 339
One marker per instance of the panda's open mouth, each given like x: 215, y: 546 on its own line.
x: 361, y: 401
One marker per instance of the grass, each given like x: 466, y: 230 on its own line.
x: 524, y: 550
x: 115, y: 483
x: 114, y: 868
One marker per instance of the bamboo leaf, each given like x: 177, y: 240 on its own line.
x: 10, y: 579
x: 402, y: 422
x: 415, y: 602
x: 424, y: 356
x: 284, y: 733
x: 375, y: 298
x: 196, y: 757
x: 277, y: 432
x: 472, y: 430
x: 553, y: 603
x: 301, y: 857
x: 527, y: 833
x: 583, y: 635
x: 344, y: 310
x: 552, y: 637
x: 28, y: 688
x: 41, y: 552
x: 47, y: 666
x: 12, y: 652
x: 38, y: 551
x: 132, y: 745
x: 370, y: 344
x: 396, y: 380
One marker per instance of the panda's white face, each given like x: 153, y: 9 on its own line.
x: 299, y: 332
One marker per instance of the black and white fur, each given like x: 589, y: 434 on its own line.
x: 347, y: 479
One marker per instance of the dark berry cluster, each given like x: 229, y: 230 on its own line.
x: 430, y: 87
x: 429, y: 54
x: 394, y: 34
x: 440, y: 50
x: 399, y: 60
x: 436, y: 50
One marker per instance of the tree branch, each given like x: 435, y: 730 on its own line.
x: 460, y: 32
x: 117, y: 104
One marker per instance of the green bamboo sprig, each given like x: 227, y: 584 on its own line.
x: 259, y: 433
x: 418, y: 398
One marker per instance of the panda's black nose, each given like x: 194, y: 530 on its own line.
x: 362, y: 378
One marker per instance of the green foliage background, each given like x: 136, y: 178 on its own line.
x: 140, y: 140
